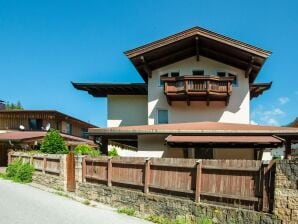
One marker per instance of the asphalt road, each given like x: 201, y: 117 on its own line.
x: 23, y: 204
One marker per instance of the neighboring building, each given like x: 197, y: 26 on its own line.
x: 2, y: 105
x: 26, y: 128
x: 189, y: 78
x: 39, y: 120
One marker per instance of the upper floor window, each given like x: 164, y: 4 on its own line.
x: 162, y: 116
x: 221, y: 74
x: 175, y: 74
x: 235, y: 81
x: 162, y: 82
x: 68, y: 128
x: 198, y: 72
x: 84, y: 132
x: 35, y: 124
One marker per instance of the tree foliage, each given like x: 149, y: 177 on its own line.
x: 13, y: 106
x: 53, y: 143
x: 85, y: 149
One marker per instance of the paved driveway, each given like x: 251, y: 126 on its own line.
x: 24, y: 204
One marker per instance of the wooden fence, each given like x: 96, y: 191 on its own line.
x: 242, y: 183
x: 51, y: 164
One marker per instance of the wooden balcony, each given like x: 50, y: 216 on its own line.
x: 197, y: 88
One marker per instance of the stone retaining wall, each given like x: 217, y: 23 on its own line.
x: 286, y: 191
x: 49, y: 180
x: 149, y: 204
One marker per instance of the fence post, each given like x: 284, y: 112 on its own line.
x: 8, y: 157
x: 110, y: 167
x: 84, y: 169
x: 44, y: 164
x: 31, y: 160
x: 70, y: 172
x: 198, y: 180
x: 147, y: 176
x: 265, y: 201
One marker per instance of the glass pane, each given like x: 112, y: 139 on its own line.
x: 162, y: 117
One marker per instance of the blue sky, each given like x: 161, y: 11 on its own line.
x: 44, y: 45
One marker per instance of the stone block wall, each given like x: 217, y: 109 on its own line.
x: 286, y: 191
x: 171, y: 207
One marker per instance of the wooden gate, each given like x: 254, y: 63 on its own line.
x: 70, y: 172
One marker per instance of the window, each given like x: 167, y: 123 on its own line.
x: 174, y: 74
x: 203, y: 153
x: 68, y: 128
x: 84, y: 132
x: 162, y: 117
x: 198, y: 72
x: 160, y: 81
x: 235, y: 81
x: 35, y: 124
x: 221, y: 74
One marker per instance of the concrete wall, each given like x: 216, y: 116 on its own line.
x: 127, y: 110
x: 236, y: 112
x: 222, y: 153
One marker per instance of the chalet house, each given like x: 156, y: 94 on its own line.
x: 194, y: 102
x: 25, y: 128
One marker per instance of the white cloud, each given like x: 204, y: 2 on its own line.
x: 267, y: 117
x: 253, y: 122
x: 283, y: 100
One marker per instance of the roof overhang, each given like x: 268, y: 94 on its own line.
x: 32, y: 136
x: 197, y: 128
x: 223, y: 141
x: 105, y: 89
x: 195, y: 42
x: 257, y: 89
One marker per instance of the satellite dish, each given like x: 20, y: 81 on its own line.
x: 22, y: 127
x: 48, y: 126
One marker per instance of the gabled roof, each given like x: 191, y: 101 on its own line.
x: 104, y: 89
x: 197, y: 41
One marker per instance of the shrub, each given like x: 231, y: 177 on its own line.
x: 53, y: 143
x: 20, y: 172
x: 113, y: 152
x: 86, y: 150
x: 127, y: 211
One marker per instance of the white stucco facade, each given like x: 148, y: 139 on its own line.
x: 127, y: 110
x: 237, y: 110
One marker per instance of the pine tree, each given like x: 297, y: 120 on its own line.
x: 53, y: 143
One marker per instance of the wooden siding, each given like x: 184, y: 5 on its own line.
x: 12, y: 121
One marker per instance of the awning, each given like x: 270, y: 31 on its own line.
x: 222, y: 141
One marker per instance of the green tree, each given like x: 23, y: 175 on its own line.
x: 53, y: 143
x: 13, y: 106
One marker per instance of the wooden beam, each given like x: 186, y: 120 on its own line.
x: 170, y: 56
x: 197, y: 48
x: 250, y: 67
x: 228, y: 59
x: 146, y: 67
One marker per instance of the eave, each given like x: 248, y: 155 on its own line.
x: 195, y: 42
x: 257, y: 89
x: 105, y: 89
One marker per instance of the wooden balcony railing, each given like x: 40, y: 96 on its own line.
x: 197, y: 88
